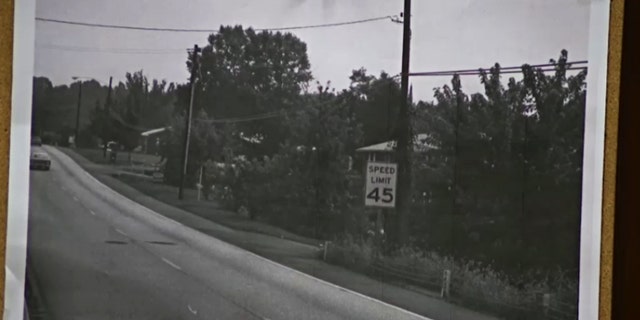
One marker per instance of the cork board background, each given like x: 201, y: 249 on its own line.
x: 615, y: 47
x: 6, y: 56
x: 610, y: 161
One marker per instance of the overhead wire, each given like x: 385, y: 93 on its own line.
x: 260, y: 116
x: 172, y: 51
x: 547, y: 67
x: 161, y: 29
x: 477, y: 73
x: 505, y: 70
x: 110, y: 50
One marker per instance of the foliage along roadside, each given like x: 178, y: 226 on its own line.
x: 502, y: 186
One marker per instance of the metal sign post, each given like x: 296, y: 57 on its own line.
x: 380, y: 189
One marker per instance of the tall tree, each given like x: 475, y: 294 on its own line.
x: 375, y: 103
x: 245, y: 73
x: 159, y: 107
x: 507, y: 169
x: 42, y: 106
x: 130, y: 109
x: 54, y: 107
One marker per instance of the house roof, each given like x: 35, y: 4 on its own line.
x: 420, y: 145
x: 153, y: 131
x: 255, y: 139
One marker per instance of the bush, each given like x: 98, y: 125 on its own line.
x: 353, y: 253
x: 290, y: 190
x: 473, y: 284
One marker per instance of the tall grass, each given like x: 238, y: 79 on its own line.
x: 351, y: 252
x: 473, y: 285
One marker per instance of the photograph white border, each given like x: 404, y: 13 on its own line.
x: 593, y: 161
x: 18, y: 190
x: 20, y: 132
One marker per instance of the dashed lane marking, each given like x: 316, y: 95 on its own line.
x: 173, y: 265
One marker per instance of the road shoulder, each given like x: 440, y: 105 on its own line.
x: 299, y: 256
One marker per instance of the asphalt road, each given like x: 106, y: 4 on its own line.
x: 94, y: 254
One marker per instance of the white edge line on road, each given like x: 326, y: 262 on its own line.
x: 173, y: 265
x: 122, y: 232
x: 334, y: 285
x: 302, y: 274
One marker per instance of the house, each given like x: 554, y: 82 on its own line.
x: 385, y: 151
x: 152, y: 140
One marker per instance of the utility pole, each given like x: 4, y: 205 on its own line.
x: 75, y: 138
x: 404, y: 135
x: 187, y: 127
x: 107, y: 106
x: 108, y: 102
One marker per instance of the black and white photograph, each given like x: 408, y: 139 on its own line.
x: 312, y: 159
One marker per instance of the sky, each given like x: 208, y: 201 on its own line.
x: 446, y: 35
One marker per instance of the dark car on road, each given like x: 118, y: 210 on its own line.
x: 39, y: 160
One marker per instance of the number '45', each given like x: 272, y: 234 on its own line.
x: 387, y: 195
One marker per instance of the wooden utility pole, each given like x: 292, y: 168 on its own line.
x: 108, y: 102
x: 187, y: 127
x: 107, y: 124
x: 404, y: 136
x: 75, y: 138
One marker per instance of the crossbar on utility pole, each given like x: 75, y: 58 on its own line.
x: 404, y: 133
x: 187, y: 128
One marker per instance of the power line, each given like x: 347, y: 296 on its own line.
x: 262, y: 116
x: 477, y: 73
x: 336, y: 24
x: 547, y: 67
x: 510, y: 68
x: 255, y: 117
x: 111, y: 50
x: 158, y: 29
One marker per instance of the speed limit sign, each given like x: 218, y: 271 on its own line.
x: 380, y: 189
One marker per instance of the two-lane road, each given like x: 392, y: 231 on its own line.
x: 97, y: 257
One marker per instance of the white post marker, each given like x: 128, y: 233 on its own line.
x: 446, y: 284
x: 199, y: 184
x: 380, y: 188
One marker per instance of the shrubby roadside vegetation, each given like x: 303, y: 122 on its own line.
x: 496, y: 200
